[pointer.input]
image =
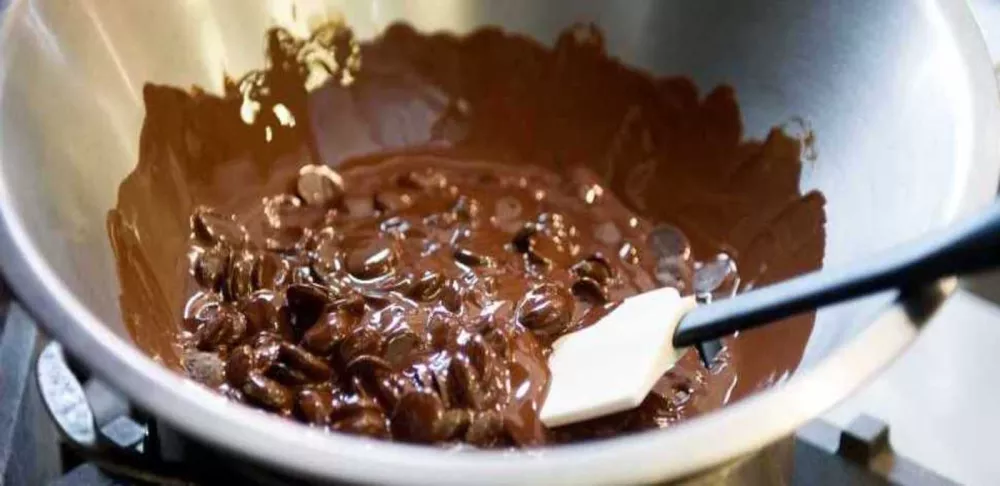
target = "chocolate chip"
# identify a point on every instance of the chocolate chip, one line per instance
(451, 296)
(315, 406)
(270, 271)
(629, 253)
(210, 269)
(225, 327)
(457, 236)
(368, 367)
(535, 263)
(595, 268)
(426, 286)
(266, 348)
(416, 417)
(258, 356)
(421, 375)
(210, 333)
(368, 422)
(523, 238)
(347, 403)
(376, 303)
(372, 259)
(351, 303)
(239, 365)
(306, 362)
(401, 346)
(287, 375)
(551, 221)
(588, 290)
(485, 429)
(453, 423)
(546, 310)
(286, 239)
(463, 384)
(302, 274)
(329, 330)
(361, 342)
(267, 393)
(392, 387)
(498, 340)
(239, 283)
(279, 210)
(261, 314)
(389, 201)
(667, 241)
(470, 257)
(201, 308)
(439, 325)
(235, 325)
(465, 208)
(319, 185)
(206, 368)
(395, 282)
(482, 358)
(396, 227)
(443, 387)
(212, 228)
(371, 374)
(306, 302)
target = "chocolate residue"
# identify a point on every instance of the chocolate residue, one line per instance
(485, 109)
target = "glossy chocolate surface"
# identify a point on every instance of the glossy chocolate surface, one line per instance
(384, 239)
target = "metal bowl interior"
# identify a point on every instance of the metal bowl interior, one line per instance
(900, 95)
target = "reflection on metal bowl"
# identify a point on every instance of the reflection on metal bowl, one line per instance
(900, 95)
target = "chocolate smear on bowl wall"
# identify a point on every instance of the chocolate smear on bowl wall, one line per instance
(359, 245)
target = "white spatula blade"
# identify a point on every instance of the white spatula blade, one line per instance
(612, 365)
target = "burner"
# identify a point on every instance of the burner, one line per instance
(29, 445)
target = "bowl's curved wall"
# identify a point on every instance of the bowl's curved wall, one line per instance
(899, 94)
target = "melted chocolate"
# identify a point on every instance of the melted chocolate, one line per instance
(490, 194)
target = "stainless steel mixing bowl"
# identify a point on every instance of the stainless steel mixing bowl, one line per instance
(900, 95)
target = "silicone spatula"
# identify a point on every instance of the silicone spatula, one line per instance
(612, 365)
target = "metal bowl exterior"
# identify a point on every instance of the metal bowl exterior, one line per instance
(900, 95)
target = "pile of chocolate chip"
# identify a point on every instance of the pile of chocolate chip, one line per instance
(413, 298)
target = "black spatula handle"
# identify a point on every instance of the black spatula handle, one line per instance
(968, 247)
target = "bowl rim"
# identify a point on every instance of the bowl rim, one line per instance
(706, 441)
